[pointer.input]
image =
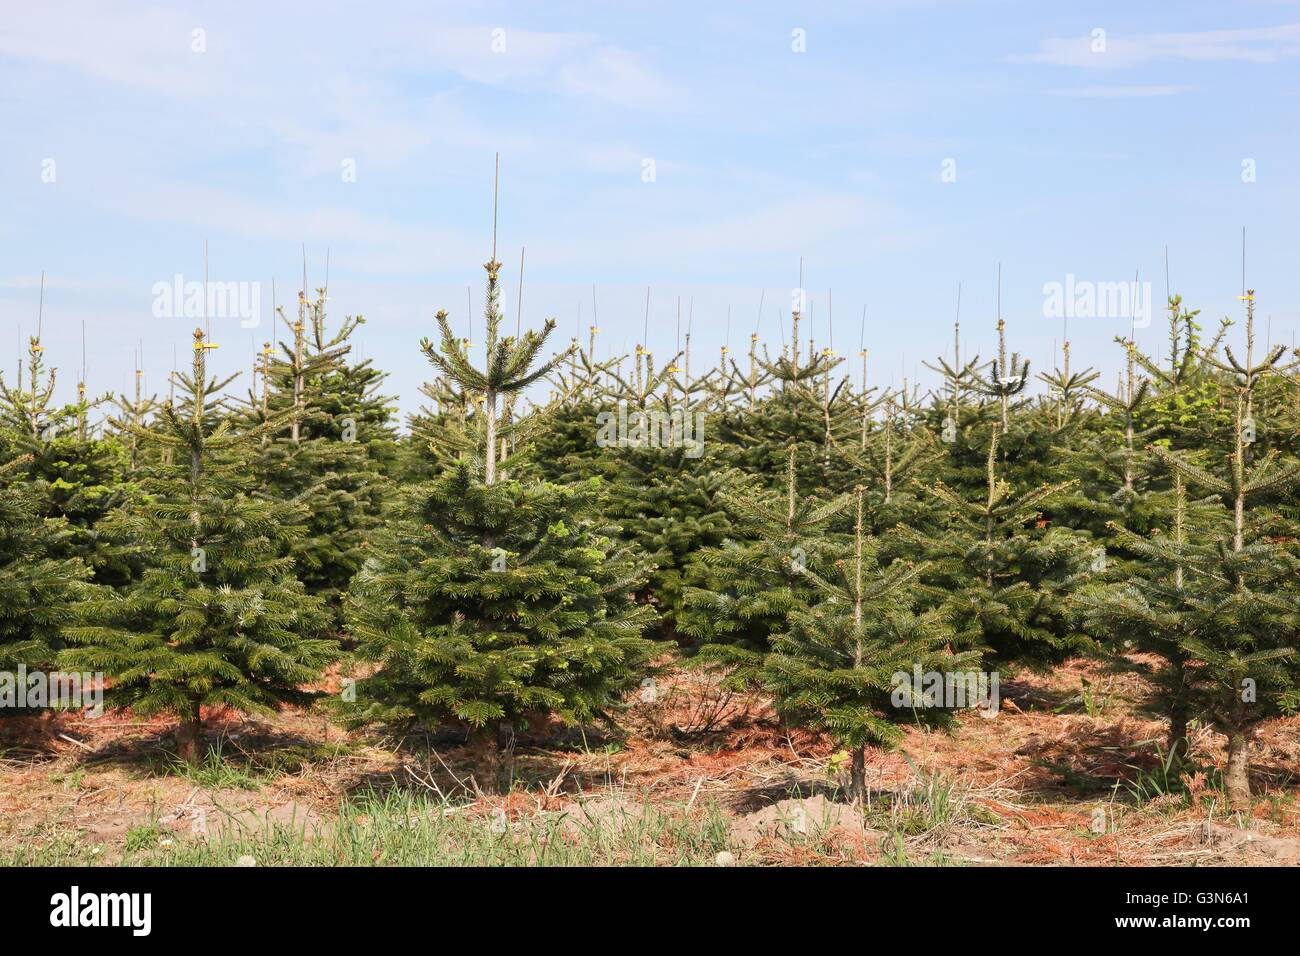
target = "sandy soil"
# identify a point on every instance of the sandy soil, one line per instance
(1057, 777)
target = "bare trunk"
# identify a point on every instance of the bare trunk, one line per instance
(487, 761)
(858, 776)
(189, 735)
(1237, 777)
(494, 758)
(1177, 740)
(506, 757)
(1178, 717)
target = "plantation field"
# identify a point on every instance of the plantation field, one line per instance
(1065, 774)
(574, 611)
(750, 617)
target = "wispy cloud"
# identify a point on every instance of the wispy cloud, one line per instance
(154, 50)
(1115, 50)
(1122, 92)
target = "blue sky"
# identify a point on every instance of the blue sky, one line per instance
(1068, 159)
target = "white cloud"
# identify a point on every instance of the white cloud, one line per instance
(1254, 45)
(150, 49)
(616, 76)
(1122, 92)
(147, 49)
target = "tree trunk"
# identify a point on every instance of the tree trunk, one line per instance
(486, 760)
(858, 775)
(188, 736)
(1176, 744)
(1237, 778)
(506, 757)
(494, 758)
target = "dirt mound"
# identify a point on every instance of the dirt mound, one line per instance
(1270, 850)
(813, 817)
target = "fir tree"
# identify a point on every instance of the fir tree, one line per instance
(834, 668)
(491, 600)
(1160, 606)
(321, 455)
(1247, 667)
(37, 590)
(801, 408)
(1005, 378)
(740, 594)
(75, 474)
(217, 618)
(663, 473)
(891, 455)
(1003, 585)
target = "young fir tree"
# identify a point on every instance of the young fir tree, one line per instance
(740, 594)
(217, 618)
(562, 450)
(652, 442)
(76, 475)
(1247, 665)
(325, 454)
(800, 407)
(979, 398)
(834, 668)
(1160, 606)
(890, 455)
(1005, 586)
(490, 600)
(37, 589)
(1005, 378)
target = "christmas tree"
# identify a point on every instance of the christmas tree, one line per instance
(75, 474)
(217, 618)
(1245, 664)
(1159, 607)
(648, 434)
(836, 668)
(327, 454)
(491, 600)
(741, 593)
(37, 590)
(1004, 585)
(801, 407)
